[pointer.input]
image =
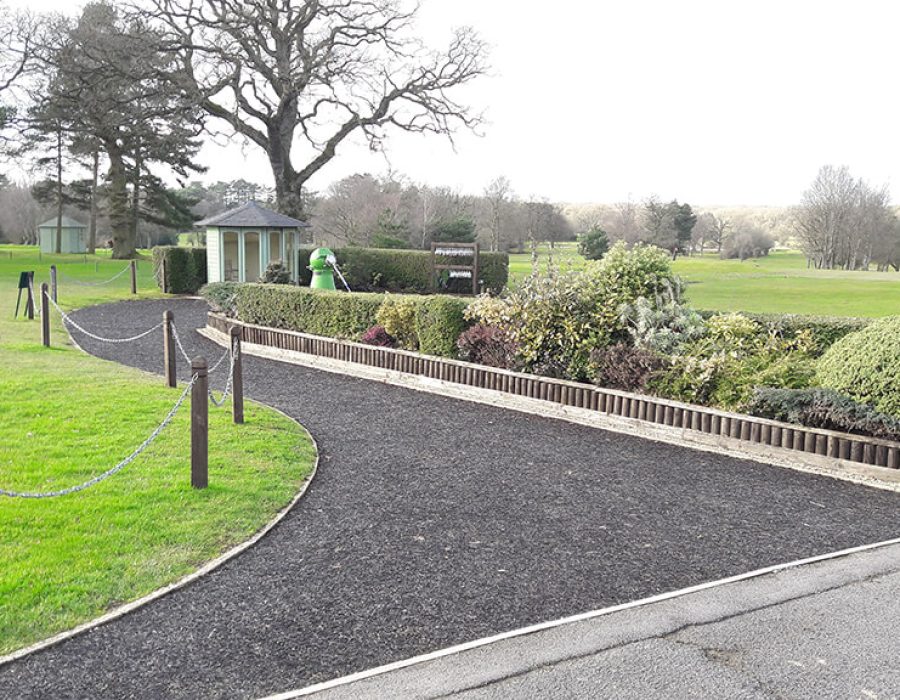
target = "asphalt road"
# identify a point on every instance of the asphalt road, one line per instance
(432, 522)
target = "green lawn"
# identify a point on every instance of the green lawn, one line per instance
(778, 283)
(65, 417)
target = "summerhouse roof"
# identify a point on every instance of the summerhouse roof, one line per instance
(67, 222)
(252, 215)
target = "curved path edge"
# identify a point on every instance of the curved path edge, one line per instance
(843, 470)
(207, 568)
(367, 683)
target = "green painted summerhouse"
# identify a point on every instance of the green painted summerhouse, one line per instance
(241, 242)
(74, 236)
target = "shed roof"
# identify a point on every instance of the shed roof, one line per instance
(67, 222)
(252, 215)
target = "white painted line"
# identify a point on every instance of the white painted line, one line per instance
(540, 627)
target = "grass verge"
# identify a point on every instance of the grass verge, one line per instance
(65, 417)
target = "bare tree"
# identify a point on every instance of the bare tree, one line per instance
(497, 194)
(278, 72)
(19, 30)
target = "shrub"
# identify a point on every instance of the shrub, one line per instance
(624, 367)
(557, 320)
(374, 269)
(822, 408)
(866, 366)
(276, 273)
(664, 324)
(379, 337)
(593, 244)
(221, 296)
(439, 323)
(398, 316)
(488, 345)
(185, 269)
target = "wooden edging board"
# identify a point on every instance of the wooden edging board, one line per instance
(637, 409)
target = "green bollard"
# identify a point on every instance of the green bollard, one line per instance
(323, 275)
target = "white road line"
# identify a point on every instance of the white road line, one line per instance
(450, 651)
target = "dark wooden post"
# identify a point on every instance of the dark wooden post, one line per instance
(29, 302)
(53, 283)
(45, 315)
(237, 380)
(133, 277)
(200, 425)
(169, 348)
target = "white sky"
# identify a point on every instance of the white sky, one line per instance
(712, 102)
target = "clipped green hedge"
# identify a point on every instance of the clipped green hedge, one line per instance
(825, 330)
(185, 268)
(866, 366)
(408, 271)
(438, 319)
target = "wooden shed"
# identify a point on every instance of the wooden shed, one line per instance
(241, 242)
(74, 236)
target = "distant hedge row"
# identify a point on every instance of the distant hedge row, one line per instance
(184, 268)
(436, 323)
(407, 271)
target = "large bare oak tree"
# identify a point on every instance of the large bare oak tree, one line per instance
(297, 78)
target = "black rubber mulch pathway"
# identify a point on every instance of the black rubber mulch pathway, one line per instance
(434, 522)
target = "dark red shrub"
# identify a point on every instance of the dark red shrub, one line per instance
(376, 335)
(624, 367)
(488, 345)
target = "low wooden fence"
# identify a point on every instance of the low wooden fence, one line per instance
(855, 448)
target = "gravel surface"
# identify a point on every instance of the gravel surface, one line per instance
(433, 522)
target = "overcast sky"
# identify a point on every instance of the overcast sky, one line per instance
(710, 102)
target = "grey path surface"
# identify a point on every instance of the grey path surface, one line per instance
(433, 522)
(826, 630)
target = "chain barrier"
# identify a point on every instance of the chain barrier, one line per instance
(81, 283)
(233, 352)
(187, 358)
(119, 467)
(68, 321)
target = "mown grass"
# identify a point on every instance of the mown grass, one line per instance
(778, 283)
(65, 417)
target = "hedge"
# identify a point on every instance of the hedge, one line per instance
(825, 330)
(185, 269)
(407, 271)
(866, 366)
(438, 319)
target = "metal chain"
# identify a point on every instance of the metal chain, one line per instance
(94, 284)
(187, 358)
(68, 320)
(120, 466)
(228, 383)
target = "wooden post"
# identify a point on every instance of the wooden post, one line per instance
(53, 283)
(29, 302)
(169, 348)
(475, 272)
(237, 381)
(162, 274)
(200, 425)
(45, 315)
(133, 277)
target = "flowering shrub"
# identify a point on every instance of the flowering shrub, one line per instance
(378, 336)
(488, 345)
(556, 321)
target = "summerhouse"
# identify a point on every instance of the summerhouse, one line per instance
(74, 236)
(241, 242)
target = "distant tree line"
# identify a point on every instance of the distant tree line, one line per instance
(843, 222)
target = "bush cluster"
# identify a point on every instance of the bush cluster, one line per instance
(378, 337)
(437, 321)
(866, 366)
(185, 268)
(406, 271)
(822, 408)
(488, 345)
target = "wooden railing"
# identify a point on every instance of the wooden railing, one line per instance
(650, 409)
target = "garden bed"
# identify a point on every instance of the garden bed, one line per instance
(638, 407)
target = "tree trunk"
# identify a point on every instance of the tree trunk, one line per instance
(288, 187)
(59, 194)
(123, 243)
(92, 226)
(136, 194)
